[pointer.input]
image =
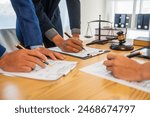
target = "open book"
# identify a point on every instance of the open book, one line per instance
(53, 71)
(84, 54)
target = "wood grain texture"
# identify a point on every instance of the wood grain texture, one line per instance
(76, 85)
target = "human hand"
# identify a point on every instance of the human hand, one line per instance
(22, 60)
(123, 67)
(51, 54)
(77, 36)
(69, 45)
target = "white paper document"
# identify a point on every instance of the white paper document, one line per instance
(98, 69)
(87, 53)
(53, 71)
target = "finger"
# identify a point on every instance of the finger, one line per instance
(59, 56)
(30, 64)
(25, 69)
(71, 49)
(37, 54)
(75, 46)
(109, 68)
(20, 69)
(78, 39)
(48, 53)
(77, 42)
(108, 63)
(111, 56)
(34, 60)
(76, 35)
(51, 55)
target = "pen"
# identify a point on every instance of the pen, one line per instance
(134, 54)
(21, 47)
(70, 37)
(67, 35)
(136, 50)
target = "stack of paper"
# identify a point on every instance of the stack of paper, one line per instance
(53, 71)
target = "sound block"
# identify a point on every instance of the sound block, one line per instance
(121, 47)
(101, 42)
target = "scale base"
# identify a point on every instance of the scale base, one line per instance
(101, 42)
(121, 47)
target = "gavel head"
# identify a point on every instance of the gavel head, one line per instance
(121, 37)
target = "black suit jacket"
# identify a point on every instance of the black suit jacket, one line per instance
(2, 50)
(45, 10)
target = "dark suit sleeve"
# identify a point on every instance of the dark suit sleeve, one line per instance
(74, 13)
(45, 22)
(28, 21)
(2, 50)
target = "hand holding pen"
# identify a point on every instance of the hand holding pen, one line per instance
(69, 36)
(88, 54)
(22, 60)
(21, 47)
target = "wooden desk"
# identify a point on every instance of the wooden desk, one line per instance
(76, 85)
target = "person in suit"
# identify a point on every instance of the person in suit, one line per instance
(51, 26)
(25, 60)
(127, 69)
(27, 28)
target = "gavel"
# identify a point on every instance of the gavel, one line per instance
(121, 37)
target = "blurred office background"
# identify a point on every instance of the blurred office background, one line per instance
(90, 10)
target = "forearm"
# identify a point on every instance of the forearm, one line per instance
(58, 40)
(51, 34)
(46, 25)
(145, 71)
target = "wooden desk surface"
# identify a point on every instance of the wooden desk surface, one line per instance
(76, 85)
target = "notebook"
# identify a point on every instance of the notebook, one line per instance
(84, 54)
(53, 71)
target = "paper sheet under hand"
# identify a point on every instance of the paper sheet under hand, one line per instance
(87, 53)
(53, 71)
(98, 69)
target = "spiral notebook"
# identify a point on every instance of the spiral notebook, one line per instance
(88, 52)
